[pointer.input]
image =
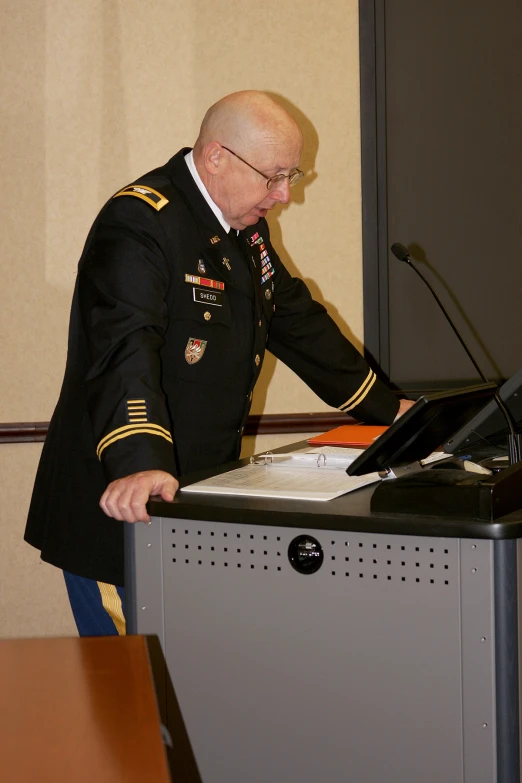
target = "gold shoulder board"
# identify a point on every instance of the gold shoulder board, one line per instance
(147, 194)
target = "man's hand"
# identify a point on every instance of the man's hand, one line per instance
(125, 498)
(404, 405)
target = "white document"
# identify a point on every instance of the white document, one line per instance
(315, 474)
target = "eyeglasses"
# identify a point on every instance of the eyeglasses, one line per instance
(272, 182)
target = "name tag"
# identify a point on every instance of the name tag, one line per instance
(204, 296)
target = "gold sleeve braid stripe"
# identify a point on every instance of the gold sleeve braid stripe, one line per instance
(132, 429)
(360, 394)
(136, 413)
(111, 602)
(151, 196)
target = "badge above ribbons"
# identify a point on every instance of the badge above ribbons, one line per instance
(194, 350)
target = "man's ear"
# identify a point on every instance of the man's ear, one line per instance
(212, 158)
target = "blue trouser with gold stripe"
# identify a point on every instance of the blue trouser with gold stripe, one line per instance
(98, 608)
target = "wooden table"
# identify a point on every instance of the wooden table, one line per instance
(79, 710)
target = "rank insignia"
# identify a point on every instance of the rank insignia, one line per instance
(214, 240)
(195, 350)
(151, 196)
(201, 267)
(205, 281)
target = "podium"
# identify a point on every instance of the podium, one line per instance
(396, 660)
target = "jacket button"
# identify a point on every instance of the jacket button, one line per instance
(260, 324)
(257, 360)
(207, 316)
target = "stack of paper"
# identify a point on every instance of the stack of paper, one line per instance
(313, 474)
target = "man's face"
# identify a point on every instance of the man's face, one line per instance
(243, 195)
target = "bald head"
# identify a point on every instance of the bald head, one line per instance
(245, 140)
(247, 118)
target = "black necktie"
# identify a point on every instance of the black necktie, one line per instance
(234, 238)
(238, 240)
(239, 243)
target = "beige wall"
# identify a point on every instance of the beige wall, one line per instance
(94, 94)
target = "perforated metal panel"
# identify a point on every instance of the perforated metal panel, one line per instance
(361, 671)
(211, 545)
(346, 555)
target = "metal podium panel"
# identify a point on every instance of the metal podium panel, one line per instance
(379, 666)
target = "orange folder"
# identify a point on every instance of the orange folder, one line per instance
(359, 435)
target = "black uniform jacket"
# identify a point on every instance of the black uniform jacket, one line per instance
(169, 323)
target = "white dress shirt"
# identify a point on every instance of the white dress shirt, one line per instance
(189, 160)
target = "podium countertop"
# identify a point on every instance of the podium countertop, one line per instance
(350, 512)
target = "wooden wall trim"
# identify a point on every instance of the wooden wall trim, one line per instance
(279, 423)
(23, 432)
(267, 424)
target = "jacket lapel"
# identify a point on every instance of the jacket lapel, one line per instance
(220, 253)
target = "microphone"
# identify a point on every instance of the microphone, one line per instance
(514, 438)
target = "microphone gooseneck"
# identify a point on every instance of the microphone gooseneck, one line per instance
(514, 437)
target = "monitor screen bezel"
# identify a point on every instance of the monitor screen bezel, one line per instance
(423, 428)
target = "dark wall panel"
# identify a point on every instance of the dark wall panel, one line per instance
(453, 141)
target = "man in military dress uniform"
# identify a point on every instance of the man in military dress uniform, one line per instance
(179, 292)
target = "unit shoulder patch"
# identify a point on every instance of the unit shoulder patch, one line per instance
(151, 196)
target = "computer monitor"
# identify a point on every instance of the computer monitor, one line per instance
(423, 428)
(488, 431)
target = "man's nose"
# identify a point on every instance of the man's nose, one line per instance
(282, 192)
